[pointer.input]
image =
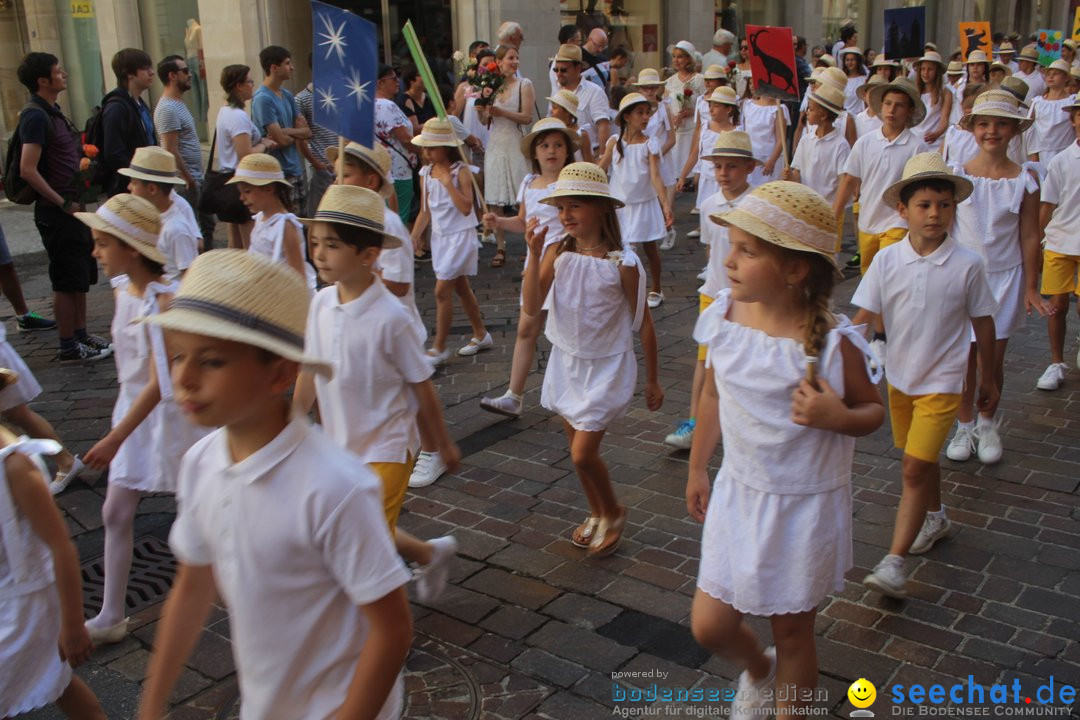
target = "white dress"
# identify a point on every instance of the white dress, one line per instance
(1051, 132)
(268, 238)
(659, 126)
(31, 672)
(706, 182)
(454, 245)
(988, 222)
(149, 458)
(26, 388)
(548, 216)
(959, 147)
(642, 219)
(759, 122)
(504, 165)
(592, 371)
(472, 123)
(777, 536)
(684, 131)
(931, 121)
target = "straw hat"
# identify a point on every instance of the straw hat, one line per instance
(377, 158)
(246, 298)
(905, 86)
(549, 124)
(131, 220)
(1059, 64)
(259, 169)
(732, 144)
(628, 101)
(849, 51)
(568, 53)
(1029, 52)
(582, 179)
(834, 77)
(882, 61)
(724, 95)
(976, 56)
(997, 103)
(929, 46)
(926, 166)
(568, 100)
(828, 60)
(1018, 88)
(1006, 48)
(1069, 43)
(436, 133)
(355, 206)
(829, 97)
(713, 72)
(155, 164)
(1074, 72)
(931, 56)
(648, 77)
(814, 74)
(787, 214)
(955, 68)
(1075, 105)
(873, 80)
(998, 65)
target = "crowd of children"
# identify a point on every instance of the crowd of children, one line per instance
(967, 195)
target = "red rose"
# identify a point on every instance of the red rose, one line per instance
(687, 92)
(731, 64)
(492, 67)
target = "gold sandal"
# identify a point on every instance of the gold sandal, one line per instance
(602, 544)
(583, 534)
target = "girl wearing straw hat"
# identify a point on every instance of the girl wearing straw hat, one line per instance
(759, 120)
(777, 535)
(976, 68)
(149, 435)
(929, 79)
(594, 290)
(662, 127)
(851, 62)
(277, 233)
(564, 107)
(1051, 132)
(634, 161)
(959, 146)
(723, 117)
(999, 221)
(1030, 72)
(549, 147)
(446, 202)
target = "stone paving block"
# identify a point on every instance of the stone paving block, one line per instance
(563, 705)
(513, 622)
(512, 588)
(580, 646)
(548, 667)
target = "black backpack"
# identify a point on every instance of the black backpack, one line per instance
(16, 188)
(95, 135)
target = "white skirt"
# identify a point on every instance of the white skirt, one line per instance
(1007, 287)
(31, 672)
(758, 176)
(706, 187)
(642, 221)
(668, 175)
(26, 388)
(770, 554)
(149, 459)
(589, 393)
(454, 254)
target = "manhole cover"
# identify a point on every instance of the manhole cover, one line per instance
(152, 571)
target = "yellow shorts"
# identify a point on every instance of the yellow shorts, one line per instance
(704, 301)
(395, 481)
(870, 243)
(921, 423)
(1059, 273)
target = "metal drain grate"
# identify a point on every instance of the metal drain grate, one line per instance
(152, 571)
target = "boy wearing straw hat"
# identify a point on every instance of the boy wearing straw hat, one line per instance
(821, 155)
(1059, 217)
(274, 517)
(1030, 72)
(153, 178)
(931, 292)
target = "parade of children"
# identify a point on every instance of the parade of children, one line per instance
(833, 442)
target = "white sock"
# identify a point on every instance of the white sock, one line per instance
(966, 425)
(936, 513)
(984, 421)
(513, 395)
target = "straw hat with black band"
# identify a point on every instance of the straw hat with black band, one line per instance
(732, 144)
(357, 207)
(828, 97)
(377, 158)
(153, 164)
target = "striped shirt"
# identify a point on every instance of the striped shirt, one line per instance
(321, 138)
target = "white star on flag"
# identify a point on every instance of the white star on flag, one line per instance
(327, 100)
(357, 88)
(334, 38)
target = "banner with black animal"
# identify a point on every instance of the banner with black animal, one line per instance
(905, 32)
(975, 35)
(772, 61)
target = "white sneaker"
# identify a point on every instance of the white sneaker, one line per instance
(695, 211)
(877, 347)
(962, 444)
(749, 701)
(669, 239)
(989, 442)
(431, 578)
(683, 436)
(1053, 376)
(694, 234)
(934, 528)
(655, 299)
(429, 467)
(62, 480)
(888, 577)
(506, 404)
(475, 345)
(437, 358)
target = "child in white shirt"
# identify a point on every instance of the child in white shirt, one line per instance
(153, 176)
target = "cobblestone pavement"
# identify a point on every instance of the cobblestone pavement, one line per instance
(531, 629)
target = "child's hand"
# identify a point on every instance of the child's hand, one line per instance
(816, 408)
(988, 396)
(697, 494)
(490, 221)
(75, 646)
(768, 167)
(786, 174)
(654, 395)
(102, 453)
(451, 456)
(680, 184)
(533, 238)
(1034, 301)
(669, 219)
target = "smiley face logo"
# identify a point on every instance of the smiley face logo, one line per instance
(862, 693)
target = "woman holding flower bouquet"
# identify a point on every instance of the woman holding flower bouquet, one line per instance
(682, 91)
(505, 105)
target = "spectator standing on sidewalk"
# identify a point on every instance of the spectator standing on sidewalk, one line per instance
(175, 128)
(12, 290)
(49, 161)
(314, 150)
(126, 121)
(275, 113)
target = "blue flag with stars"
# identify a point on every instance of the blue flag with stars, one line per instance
(344, 66)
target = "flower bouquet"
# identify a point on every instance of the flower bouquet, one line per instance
(485, 81)
(87, 191)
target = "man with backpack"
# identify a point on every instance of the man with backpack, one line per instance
(48, 162)
(126, 122)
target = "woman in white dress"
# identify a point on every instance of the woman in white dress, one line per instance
(682, 102)
(930, 75)
(508, 116)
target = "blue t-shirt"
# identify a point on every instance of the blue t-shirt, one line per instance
(268, 108)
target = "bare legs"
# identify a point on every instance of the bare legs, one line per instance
(444, 309)
(922, 492)
(38, 427)
(652, 255)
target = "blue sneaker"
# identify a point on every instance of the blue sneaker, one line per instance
(682, 437)
(32, 321)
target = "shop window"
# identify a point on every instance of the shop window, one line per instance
(171, 27)
(637, 25)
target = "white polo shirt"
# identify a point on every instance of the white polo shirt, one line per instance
(368, 406)
(877, 163)
(399, 265)
(927, 304)
(298, 542)
(820, 160)
(715, 236)
(1061, 187)
(593, 106)
(178, 239)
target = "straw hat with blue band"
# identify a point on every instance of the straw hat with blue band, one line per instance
(155, 164)
(354, 206)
